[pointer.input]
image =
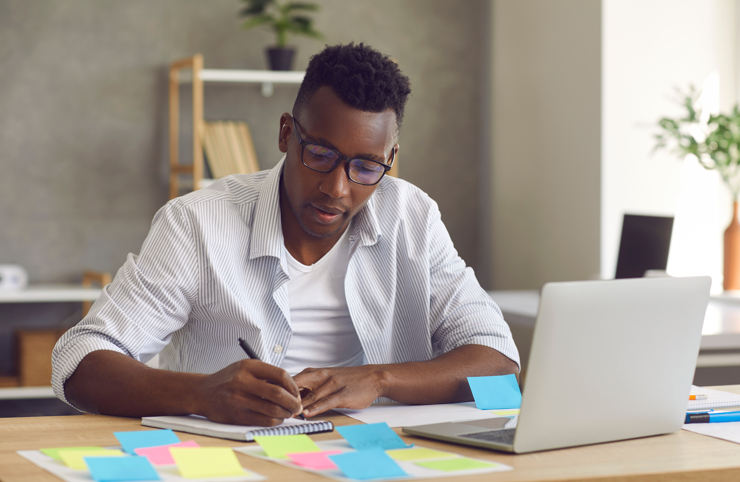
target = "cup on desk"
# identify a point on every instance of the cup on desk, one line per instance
(13, 277)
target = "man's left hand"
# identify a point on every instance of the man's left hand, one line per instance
(345, 387)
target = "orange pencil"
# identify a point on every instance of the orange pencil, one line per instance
(701, 396)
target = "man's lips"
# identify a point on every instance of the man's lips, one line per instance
(326, 214)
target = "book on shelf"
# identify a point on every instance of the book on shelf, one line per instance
(229, 148)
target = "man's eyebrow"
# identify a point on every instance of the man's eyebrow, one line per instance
(326, 143)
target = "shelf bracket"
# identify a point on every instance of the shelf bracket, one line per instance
(267, 89)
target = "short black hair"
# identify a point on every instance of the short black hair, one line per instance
(361, 77)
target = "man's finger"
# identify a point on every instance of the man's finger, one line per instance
(272, 393)
(334, 400)
(310, 380)
(272, 374)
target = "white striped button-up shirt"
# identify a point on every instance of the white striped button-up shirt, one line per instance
(213, 269)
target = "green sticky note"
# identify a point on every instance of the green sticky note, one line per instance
(505, 413)
(75, 459)
(418, 453)
(206, 462)
(279, 446)
(455, 465)
(54, 453)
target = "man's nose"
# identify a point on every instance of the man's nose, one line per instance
(336, 183)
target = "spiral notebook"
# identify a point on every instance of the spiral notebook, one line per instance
(243, 433)
(715, 399)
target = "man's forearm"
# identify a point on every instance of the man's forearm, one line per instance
(443, 379)
(111, 383)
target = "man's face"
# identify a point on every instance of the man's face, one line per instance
(324, 203)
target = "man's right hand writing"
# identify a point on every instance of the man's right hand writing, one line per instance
(249, 392)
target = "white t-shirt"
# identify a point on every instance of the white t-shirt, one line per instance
(323, 333)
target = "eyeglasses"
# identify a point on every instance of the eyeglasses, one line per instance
(322, 159)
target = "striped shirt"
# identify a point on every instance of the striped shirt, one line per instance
(213, 268)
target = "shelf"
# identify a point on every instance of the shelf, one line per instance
(265, 77)
(50, 294)
(25, 393)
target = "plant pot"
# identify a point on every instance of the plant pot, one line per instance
(732, 253)
(280, 58)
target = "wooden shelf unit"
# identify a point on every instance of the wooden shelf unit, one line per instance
(190, 70)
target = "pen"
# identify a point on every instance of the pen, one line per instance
(715, 417)
(251, 354)
(701, 396)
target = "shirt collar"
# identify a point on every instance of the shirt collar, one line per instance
(267, 231)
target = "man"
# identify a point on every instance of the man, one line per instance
(320, 262)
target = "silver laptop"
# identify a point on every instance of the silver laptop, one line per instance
(610, 360)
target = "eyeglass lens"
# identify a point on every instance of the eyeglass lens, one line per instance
(322, 159)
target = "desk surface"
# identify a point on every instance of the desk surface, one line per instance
(681, 456)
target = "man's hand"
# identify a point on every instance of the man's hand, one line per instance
(345, 387)
(249, 392)
(440, 380)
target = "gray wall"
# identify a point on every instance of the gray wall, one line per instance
(545, 142)
(83, 121)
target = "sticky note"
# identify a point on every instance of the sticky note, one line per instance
(493, 393)
(145, 438)
(54, 452)
(115, 469)
(161, 455)
(279, 446)
(506, 413)
(455, 465)
(367, 464)
(372, 435)
(75, 459)
(206, 462)
(418, 453)
(315, 460)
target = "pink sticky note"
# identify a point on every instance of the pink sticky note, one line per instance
(315, 460)
(161, 455)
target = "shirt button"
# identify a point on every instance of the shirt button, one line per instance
(278, 349)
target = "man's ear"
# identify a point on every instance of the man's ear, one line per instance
(286, 129)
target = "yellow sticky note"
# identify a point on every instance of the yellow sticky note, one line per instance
(54, 452)
(418, 453)
(75, 459)
(508, 412)
(206, 462)
(279, 446)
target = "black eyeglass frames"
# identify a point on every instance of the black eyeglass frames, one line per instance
(322, 159)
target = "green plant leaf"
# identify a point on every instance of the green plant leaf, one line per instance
(302, 6)
(259, 20)
(254, 7)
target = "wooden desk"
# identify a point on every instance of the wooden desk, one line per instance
(683, 456)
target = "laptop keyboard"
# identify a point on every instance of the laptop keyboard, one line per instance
(505, 436)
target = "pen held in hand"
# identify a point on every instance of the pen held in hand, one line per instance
(251, 354)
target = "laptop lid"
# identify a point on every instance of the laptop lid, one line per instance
(611, 360)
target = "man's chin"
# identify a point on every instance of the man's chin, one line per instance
(322, 231)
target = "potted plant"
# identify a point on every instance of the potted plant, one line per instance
(715, 141)
(283, 18)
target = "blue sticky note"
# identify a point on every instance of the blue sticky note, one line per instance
(495, 393)
(145, 438)
(367, 465)
(370, 436)
(116, 469)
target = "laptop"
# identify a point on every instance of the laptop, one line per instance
(644, 245)
(610, 360)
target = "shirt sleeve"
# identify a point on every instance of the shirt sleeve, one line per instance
(462, 313)
(149, 299)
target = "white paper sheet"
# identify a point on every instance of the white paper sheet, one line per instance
(729, 431)
(168, 473)
(414, 471)
(716, 399)
(399, 415)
